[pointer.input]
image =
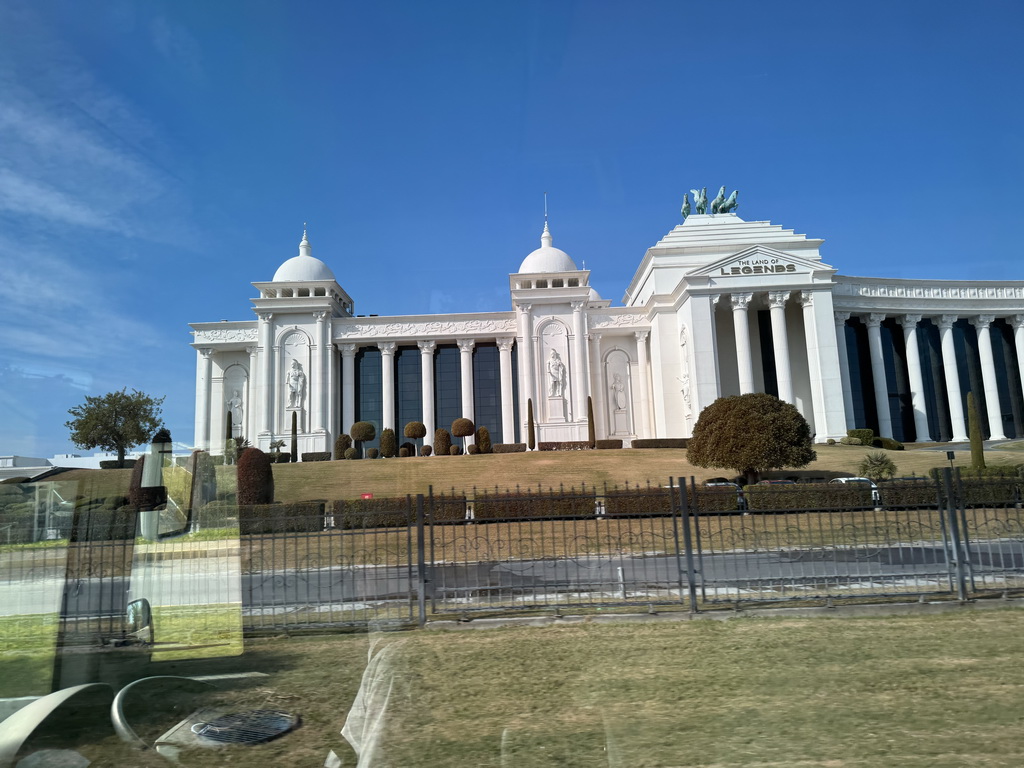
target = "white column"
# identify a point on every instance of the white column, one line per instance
(348, 386)
(466, 376)
(250, 395)
(387, 375)
(642, 383)
(956, 405)
(597, 386)
(988, 375)
(427, 387)
(741, 328)
(580, 363)
(320, 376)
(780, 344)
(1018, 343)
(508, 426)
(205, 361)
(874, 323)
(844, 364)
(917, 395)
(814, 372)
(266, 372)
(526, 361)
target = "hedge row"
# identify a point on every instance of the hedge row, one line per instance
(808, 496)
(307, 516)
(113, 464)
(317, 456)
(372, 513)
(518, 505)
(508, 448)
(662, 442)
(603, 445)
(565, 445)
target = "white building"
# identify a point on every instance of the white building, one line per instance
(719, 306)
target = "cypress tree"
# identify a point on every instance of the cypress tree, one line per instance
(531, 433)
(295, 437)
(591, 430)
(974, 432)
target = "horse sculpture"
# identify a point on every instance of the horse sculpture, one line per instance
(717, 202)
(731, 204)
(700, 200)
(686, 206)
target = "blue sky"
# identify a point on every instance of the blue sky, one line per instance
(158, 157)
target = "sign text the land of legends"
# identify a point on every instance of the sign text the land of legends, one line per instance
(757, 266)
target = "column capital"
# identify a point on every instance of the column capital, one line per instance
(594, 337)
(251, 350)
(577, 306)
(387, 347)
(524, 309)
(505, 343)
(741, 300)
(321, 316)
(641, 336)
(946, 321)
(806, 299)
(715, 298)
(778, 298)
(206, 352)
(910, 321)
(1017, 321)
(426, 347)
(348, 350)
(266, 317)
(466, 345)
(874, 319)
(983, 321)
(842, 317)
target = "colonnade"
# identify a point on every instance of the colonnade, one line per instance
(915, 376)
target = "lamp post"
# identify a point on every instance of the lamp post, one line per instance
(160, 447)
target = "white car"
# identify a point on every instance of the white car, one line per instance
(876, 497)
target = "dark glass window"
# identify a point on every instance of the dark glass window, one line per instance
(447, 386)
(408, 389)
(369, 399)
(487, 389)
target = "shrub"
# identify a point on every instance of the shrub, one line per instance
(372, 513)
(591, 429)
(351, 454)
(426, 450)
(415, 430)
(410, 449)
(638, 501)
(531, 428)
(849, 441)
(255, 478)
(473, 449)
(830, 441)
(455, 450)
(565, 445)
(442, 441)
(295, 437)
(403, 452)
(809, 496)
(317, 456)
(508, 448)
(909, 494)
(280, 458)
(388, 443)
(662, 442)
(362, 431)
(464, 428)
(974, 433)
(342, 444)
(877, 466)
(483, 440)
(305, 516)
(604, 445)
(866, 436)
(373, 453)
(538, 504)
(114, 464)
(887, 443)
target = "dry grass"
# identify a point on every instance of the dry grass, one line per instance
(922, 690)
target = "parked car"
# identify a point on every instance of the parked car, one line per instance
(876, 497)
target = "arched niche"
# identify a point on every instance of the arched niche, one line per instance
(237, 398)
(555, 371)
(618, 380)
(294, 377)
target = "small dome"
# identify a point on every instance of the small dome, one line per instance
(547, 258)
(304, 267)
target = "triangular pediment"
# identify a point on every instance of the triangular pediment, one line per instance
(759, 260)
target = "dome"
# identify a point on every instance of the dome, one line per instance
(304, 267)
(547, 258)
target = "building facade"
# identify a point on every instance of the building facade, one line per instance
(719, 306)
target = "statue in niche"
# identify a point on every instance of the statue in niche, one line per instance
(234, 404)
(618, 392)
(296, 382)
(556, 375)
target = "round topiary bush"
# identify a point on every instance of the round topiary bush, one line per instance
(473, 449)
(342, 444)
(426, 450)
(454, 450)
(415, 430)
(373, 453)
(403, 453)
(255, 478)
(351, 453)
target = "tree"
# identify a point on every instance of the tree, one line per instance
(591, 427)
(415, 430)
(974, 433)
(295, 437)
(877, 466)
(442, 441)
(463, 427)
(116, 421)
(362, 432)
(483, 439)
(531, 433)
(388, 443)
(751, 433)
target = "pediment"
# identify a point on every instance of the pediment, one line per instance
(759, 260)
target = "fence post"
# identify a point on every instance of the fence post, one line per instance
(421, 564)
(684, 517)
(954, 550)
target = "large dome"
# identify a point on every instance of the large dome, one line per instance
(547, 258)
(303, 268)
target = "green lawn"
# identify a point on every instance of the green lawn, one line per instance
(920, 690)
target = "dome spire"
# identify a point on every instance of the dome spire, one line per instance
(545, 238)
(305, 249)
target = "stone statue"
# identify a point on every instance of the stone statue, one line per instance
(618, 393)
(700, 200)
(716, 204)
(556, 374)
(234, 404)
(296, 382)
(731, 204)
(686, 206)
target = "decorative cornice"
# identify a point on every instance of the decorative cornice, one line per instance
(225, 334)
(413, 330)
(597, 322)
(915, 290)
